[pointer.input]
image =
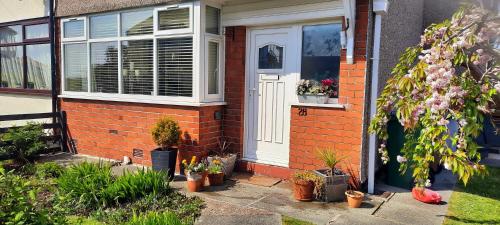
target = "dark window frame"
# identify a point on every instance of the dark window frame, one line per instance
(25, 42)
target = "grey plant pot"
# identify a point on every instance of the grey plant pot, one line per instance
(334, 187)
(227, 163)
(164, 160)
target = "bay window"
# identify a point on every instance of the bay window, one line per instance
(145, 55)
(25, 56)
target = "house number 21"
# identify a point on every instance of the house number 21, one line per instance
(302, 111)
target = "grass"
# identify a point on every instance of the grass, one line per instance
(80, 220)
(476, 203)
(292, 221)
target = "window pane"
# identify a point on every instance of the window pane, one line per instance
(11, 67)
(135, 23)
(137, 68)
(173, 19)
(212, 18)
(103, 26)
(37, 31)
(11, 34)
(175, 67)
(38, 64)
(75, 67)
(104, 67)
(213, 68)
(74, 28)
(321, 52)
(271, 57)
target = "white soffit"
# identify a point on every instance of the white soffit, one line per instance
(261, 13)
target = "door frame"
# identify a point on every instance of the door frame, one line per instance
(248, 46)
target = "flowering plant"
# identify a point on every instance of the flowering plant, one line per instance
(215, 167)
(194, 166)
(453, 74)
(325, 87)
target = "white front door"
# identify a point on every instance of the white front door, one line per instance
(271, 79)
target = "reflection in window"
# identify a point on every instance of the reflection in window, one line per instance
(137, 69)
(11, 34)
(75, 67)
(321, 52)
(103, 26)
(271, 57)
(73, 28)
(212, 20)
(104, 67)
(11, 67)
(213, 68)
(38, 64)
(137, 23)
(173, 19)
(37, 31)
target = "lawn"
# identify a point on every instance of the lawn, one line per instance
(476, 203)
(292, 221)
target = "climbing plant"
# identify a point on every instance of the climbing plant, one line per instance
(452, 75)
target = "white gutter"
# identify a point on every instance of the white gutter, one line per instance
(379, 8)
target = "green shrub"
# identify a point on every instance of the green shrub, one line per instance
(82, 186)
(154, 218)
(132, 186)
(23, 143)
(18, 202)
(48, 170)
(166, 132)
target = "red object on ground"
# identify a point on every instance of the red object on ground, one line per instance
(426, 196)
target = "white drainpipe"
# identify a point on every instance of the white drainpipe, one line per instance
(379, 8)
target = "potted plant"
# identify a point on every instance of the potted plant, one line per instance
(304, 185)
(166, 134)
(194, 173)
(311, 91)
(354, 196)
(215, 173)
(335, 181)
(223, 155)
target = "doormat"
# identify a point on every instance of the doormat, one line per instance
(255, 179)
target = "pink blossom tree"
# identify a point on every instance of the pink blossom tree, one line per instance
(453, 74)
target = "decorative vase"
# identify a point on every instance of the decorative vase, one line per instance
(354, 198)
(216, 179)
(315, 99)
(303, 190)
(227, 163)
(193, 182)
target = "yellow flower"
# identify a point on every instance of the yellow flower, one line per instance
(193, 160)
(184, 162)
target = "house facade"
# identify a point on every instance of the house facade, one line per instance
(25, 58)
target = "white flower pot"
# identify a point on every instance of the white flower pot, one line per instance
(227, 164)
(315, 99)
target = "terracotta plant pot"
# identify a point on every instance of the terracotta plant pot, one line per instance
(216, 179)
(354, 198)
(303, 190)
(193, 182)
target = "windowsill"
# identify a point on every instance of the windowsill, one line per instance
(142, 100)
(326, 105)
(20, 91)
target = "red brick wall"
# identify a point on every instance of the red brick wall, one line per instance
(113, 129)
(338, 129)
(235, 87)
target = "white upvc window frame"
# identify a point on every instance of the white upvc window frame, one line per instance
(195, 31)
(220, 83)
(82, 38)
(156, 21)
(220, 39)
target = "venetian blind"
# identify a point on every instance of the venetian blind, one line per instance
(213, 68)
(137, 69)
(175, 66)
(104, 67)
(103, 26)
(75, 67)
(137, 23)
(173, 19)
(212, 20)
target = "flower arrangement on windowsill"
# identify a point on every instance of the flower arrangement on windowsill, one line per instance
(311, 91)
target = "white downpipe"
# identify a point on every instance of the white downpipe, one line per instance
(373, 104)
